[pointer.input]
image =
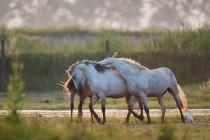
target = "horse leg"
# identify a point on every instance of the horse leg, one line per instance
(178, 102)
(133, 100)
(81, 101)
(91, 115)
(71, 106)
(141, 108)
(103, 106)
(162, 105)
(129, 113)
(93, 101)
(146, 108)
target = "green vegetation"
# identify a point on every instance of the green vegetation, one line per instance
(185, 52)
(61, 128)
(197, 97)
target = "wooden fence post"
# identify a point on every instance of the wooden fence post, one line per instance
(107, 48)
(3, 66)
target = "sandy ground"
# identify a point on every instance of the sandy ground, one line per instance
(109, 112)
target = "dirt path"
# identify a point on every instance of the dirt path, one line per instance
(109, 112)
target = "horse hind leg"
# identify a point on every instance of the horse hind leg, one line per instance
(174, 92)
(163, 109)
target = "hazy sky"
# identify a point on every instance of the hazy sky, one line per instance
(123, 14)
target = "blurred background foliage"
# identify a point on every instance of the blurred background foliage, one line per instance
(47, 54)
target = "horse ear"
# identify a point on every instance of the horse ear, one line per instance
(115, 54)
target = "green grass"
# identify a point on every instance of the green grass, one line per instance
(61, 128)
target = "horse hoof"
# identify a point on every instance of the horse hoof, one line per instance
(141, 117)
(103, 122)
(99, 120)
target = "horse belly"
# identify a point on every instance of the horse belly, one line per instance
(117, 87)
(117, 92)
(157, 89)
(155, 93)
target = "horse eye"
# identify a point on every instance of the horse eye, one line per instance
(73, 77)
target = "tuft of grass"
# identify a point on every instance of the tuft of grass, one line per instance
(15, 86)
(167, 132)
(61, 128)
(205, 87)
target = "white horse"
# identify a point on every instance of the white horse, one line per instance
(143, 82)
(103, 83)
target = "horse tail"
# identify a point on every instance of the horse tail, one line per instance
(182, 97)
(65, 86)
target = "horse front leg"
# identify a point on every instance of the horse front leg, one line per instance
(141, 108)
(91, 115)
(81, 101)
(129, 113)
(133, 100)
(71, 106)
(127, 118)
(146, 108)
(93, 101)
(103, 108)
(163, 109)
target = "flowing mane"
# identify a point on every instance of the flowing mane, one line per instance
(132, 62)
(87, 62)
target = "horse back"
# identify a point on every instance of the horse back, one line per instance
(153, 82)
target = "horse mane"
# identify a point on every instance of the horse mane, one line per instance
(132, 62)
(99, 69)
(69, 84)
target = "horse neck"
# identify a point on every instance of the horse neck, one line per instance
(90, 73)
(122, 69)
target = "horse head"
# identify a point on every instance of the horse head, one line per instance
(107, 62)
(76, 71)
